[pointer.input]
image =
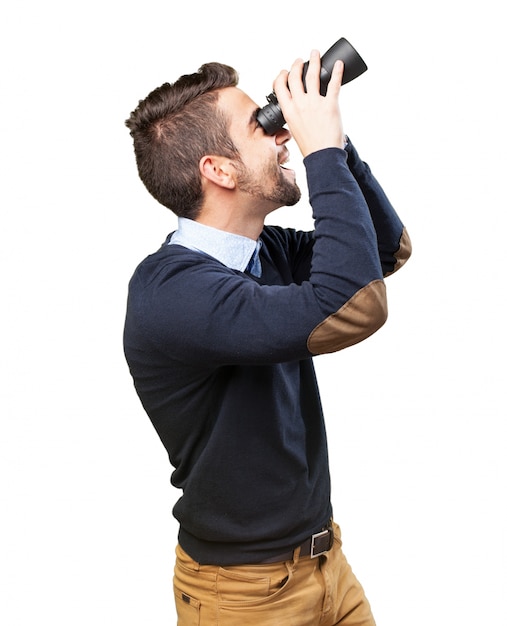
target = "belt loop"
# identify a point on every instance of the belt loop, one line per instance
(295, 557)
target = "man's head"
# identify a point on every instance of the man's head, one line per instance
(201, 114)
(173, 128)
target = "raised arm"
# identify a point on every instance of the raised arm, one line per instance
(394, 244)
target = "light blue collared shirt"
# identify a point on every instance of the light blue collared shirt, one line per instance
(234, 251)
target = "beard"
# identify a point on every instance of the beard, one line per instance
(270, 184)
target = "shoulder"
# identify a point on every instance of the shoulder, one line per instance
(170, 260)
(176, 274)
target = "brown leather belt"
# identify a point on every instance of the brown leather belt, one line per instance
(314, 546)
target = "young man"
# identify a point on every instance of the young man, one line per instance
(221, 327)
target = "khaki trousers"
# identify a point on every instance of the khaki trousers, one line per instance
(302, 592)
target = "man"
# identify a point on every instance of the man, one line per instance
(221, 327)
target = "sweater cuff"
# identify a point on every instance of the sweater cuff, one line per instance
(319, 163)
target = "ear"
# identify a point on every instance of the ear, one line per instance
(218, 170)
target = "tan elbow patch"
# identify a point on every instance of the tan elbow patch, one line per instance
(403, 253)
(356, 320)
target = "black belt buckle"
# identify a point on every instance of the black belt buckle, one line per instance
(322, 542)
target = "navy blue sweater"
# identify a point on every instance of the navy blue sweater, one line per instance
(222, 362)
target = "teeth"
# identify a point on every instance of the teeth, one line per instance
(285, 159)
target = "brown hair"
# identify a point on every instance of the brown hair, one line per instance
(173, 128)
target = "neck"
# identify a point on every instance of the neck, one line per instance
(249, 229)
(237, 217)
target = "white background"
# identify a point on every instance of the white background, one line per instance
(415, 414)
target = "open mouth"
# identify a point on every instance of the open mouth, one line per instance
(286, 172)
(284, 160)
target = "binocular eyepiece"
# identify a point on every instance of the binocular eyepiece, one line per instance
(271, 118)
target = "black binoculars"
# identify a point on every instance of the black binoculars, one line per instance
(271, 118)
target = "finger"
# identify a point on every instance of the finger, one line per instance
(295, 81)
(280, 85)
(335, 82)
(312, 78)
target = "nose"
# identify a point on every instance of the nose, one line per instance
(282, 136)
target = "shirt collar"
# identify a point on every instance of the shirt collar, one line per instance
(234, 251)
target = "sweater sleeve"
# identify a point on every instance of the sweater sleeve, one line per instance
(394, 244)
(195, 310)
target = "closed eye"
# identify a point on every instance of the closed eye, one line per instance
(254, 121)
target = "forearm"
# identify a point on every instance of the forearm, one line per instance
(344, 235)
(394, 246)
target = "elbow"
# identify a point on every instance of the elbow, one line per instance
(357, 319)
(403, 253)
